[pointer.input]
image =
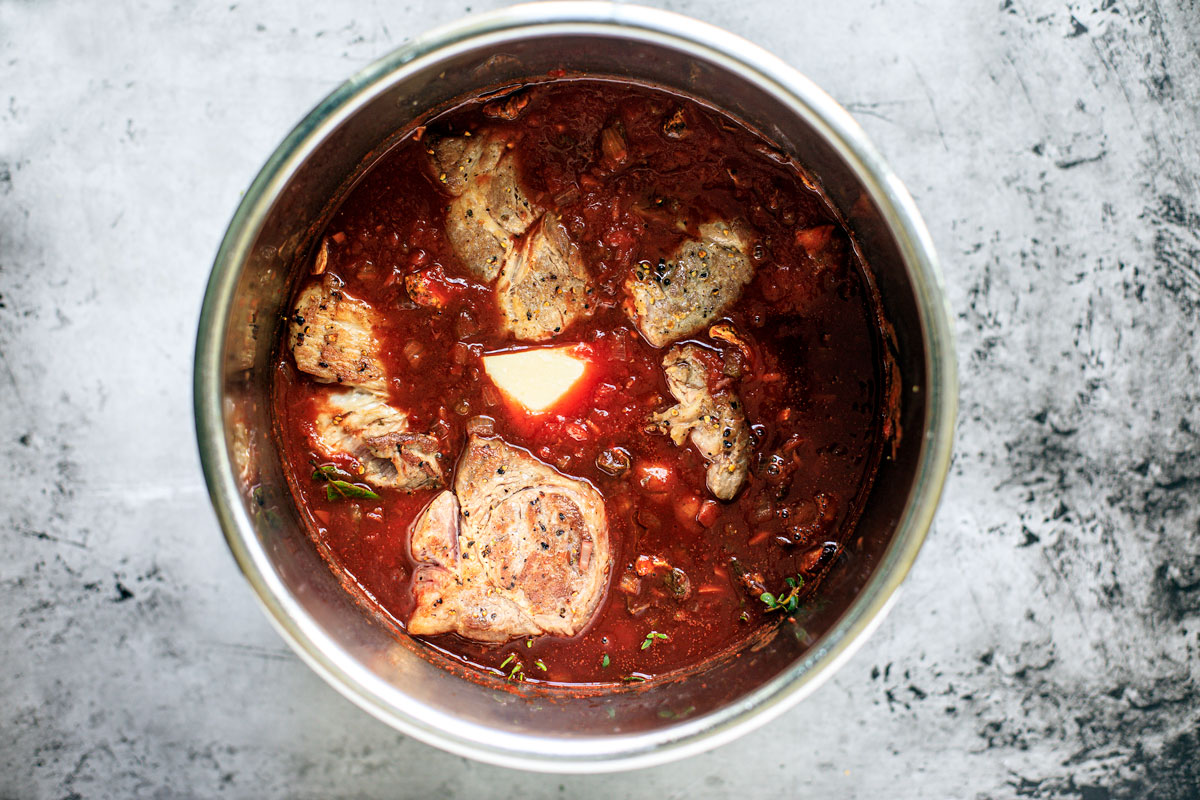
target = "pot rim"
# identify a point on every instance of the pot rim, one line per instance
(862, 616)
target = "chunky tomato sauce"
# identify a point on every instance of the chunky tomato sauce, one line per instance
(686, 565)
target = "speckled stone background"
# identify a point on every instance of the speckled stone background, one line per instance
(1047, 644)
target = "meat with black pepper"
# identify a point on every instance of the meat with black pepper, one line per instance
(686, 291)
(544, 286)
(360, 424)
(518, 549)
(715, 421)
(332, 337)
(489, 208)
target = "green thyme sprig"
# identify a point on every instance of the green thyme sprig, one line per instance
(785, 602)
(517, 673)
(650, 637)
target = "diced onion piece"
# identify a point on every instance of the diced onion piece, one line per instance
(537, 379)
(481, 426)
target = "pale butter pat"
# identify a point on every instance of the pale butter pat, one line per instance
(537, 379)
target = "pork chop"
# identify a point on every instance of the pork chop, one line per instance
(489, 207)
(543, 287)
(715, 421)
(478, 240)
(518, 549)
(332, 337)
(360, 424)
(457, 158)
(685, 292)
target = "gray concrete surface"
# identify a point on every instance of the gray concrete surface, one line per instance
(1046, 644)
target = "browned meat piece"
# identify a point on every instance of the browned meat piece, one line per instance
(518, 550)
(361, 425)
(506, 200)
(489, 206)
(333, 340)
(544, 285)
(715, 422)
(507, 108)
(682, 294)
(456, 159)
(434, 539)
(332, 337)
(478, 240)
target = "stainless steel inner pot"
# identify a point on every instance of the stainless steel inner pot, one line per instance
(272, 230)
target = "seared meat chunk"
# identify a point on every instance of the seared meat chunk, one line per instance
(682, 294)
(519, 549)
(332, 337)
(489, 206)
(478, 240)
(361, 425)
(507, 202)
(434, 540)
(714, 420)
(544, 285)
(457, 158)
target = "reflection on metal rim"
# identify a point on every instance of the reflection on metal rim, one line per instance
(530, 751)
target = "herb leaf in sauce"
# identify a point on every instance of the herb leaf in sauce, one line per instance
(344, 490)
(650, 637)
(323, 472)
(785, 602)
(336, 488)
(517, 673)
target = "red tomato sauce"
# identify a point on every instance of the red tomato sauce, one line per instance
(685, 565)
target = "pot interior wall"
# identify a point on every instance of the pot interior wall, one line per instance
(398, 671)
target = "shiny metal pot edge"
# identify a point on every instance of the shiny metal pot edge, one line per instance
(866, 611)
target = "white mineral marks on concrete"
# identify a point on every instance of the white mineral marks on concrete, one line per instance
(1046, 643)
